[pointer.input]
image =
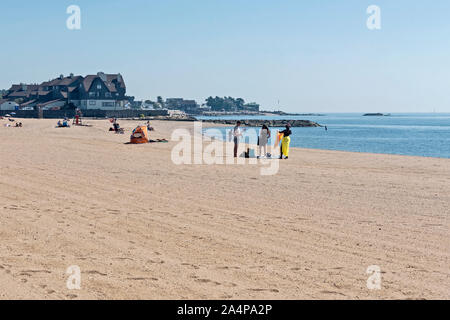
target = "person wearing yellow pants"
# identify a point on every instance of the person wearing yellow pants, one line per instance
(285, 142)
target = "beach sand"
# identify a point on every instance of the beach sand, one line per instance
(141, 227)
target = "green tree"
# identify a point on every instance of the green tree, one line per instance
(160, 100)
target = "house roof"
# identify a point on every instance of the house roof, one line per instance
(15, 87)
(40, 93)
(19, 94)
(49, 102)
(111, 81)
(28, 103)
(66, 81)
(19, 87)
(87, 82)
(2, 101)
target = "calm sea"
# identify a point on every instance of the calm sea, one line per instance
(425, 135)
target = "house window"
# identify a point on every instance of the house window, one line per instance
(92, 102)
(91, 94)
(108, 104)
(108, 94)
(99, 87)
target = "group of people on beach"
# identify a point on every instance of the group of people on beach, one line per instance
(17, 125)
(263, 139)
(63, 124)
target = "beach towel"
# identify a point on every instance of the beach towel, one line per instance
(278, 139)
(159, 141)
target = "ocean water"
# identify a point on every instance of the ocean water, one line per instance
(426, 135)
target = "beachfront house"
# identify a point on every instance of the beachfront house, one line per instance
(99, 92)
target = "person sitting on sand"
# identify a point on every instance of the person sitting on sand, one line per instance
(284, 149)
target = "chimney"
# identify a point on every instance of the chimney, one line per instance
(102, 76)
(71, 75)
(61, 76)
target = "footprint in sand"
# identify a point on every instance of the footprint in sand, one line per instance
(143, 279)
(208, 281)
(332, 292)
(96, 272)
(265, 290)
(191, 265)
(35, 271)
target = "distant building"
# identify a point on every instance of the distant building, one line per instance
(8, 105)
(251, 107)
(187, 106)
(101, 91)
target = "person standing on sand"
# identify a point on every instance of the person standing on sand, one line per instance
(263, 139)
(284, 149)
(236, 135)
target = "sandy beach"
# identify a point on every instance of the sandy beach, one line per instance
(141, 227)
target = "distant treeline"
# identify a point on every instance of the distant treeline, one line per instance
(226, 104)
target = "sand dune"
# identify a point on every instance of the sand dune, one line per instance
(141, 227)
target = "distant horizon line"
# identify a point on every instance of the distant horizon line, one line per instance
(363, 112)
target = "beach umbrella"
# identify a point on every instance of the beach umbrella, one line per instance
(7, 115)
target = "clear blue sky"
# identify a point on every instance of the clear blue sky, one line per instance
(313, 56)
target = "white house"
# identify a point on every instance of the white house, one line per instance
(8, 105)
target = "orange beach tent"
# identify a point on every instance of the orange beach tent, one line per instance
(139, 135)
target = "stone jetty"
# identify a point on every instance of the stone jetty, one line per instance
(269, 123)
